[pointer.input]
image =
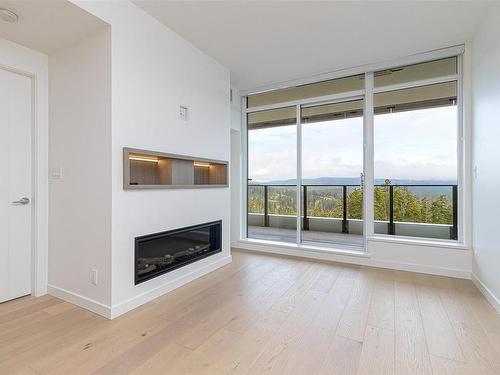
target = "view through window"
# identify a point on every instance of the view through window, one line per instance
(272, 173)
(415, 156)
(332, 166)
(415, 159)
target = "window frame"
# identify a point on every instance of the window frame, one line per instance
(463, 146)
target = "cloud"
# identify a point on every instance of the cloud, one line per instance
(417, 145)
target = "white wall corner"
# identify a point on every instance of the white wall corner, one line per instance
(485, 94)
(235, 109)
(467, 155)
(81, 120)
(488, 294)
(79, 300)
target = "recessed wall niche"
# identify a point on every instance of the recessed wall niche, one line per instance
(143, 169)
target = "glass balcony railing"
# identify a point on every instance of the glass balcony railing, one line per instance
(428, 211)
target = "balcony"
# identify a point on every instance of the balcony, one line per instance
(333, 213)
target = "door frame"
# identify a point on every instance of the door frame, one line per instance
(34, 65)
(339, 98)
(367, 152)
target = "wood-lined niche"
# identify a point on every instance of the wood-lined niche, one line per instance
(149, 169)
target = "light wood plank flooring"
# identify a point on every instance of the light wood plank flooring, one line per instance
(266, 315)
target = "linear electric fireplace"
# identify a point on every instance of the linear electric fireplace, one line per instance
(159, 253)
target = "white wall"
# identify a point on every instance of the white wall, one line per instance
(235, 184)
(235, 109)
(423, 257)
(35, 65)
(154, 71)
(236, 198)
(486, 154)
(80, 144)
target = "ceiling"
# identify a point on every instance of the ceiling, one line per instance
(48, 26)
(269, 42)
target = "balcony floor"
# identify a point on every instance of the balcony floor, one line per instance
(347, 240)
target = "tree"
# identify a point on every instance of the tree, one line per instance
(381, 202)
(326, 201)
(406, 205)
(256, 199)
(425, 210)
(442, 210)
(355, 204)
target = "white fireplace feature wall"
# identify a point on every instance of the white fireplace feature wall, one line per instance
(153, 71)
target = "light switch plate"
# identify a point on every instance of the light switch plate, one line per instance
(93, 276)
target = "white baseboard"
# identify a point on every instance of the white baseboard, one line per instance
(119, 309)
(343, 256)
(76, 299)
(488, 294)
(141, 299)
(292, 250)
(420, 268)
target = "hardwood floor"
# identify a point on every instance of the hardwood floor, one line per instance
(266, 315)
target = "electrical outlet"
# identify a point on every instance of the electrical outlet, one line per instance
(183, 113)
(93, 276)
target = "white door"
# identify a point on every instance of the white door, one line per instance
(15, 185)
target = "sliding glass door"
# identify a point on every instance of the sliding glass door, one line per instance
(272, 175)
(332, 173)
(306, 174)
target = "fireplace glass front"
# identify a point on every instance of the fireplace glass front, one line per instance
(158, 253)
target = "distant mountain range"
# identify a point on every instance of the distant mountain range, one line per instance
(430, 191)
(353, 181)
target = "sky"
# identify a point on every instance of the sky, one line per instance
(415, 145)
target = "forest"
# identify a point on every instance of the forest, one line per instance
(411, 204)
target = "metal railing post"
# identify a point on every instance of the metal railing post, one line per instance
(305, 223)
(454, 228)
(345, 223)
(266, 210)
(392, 227)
